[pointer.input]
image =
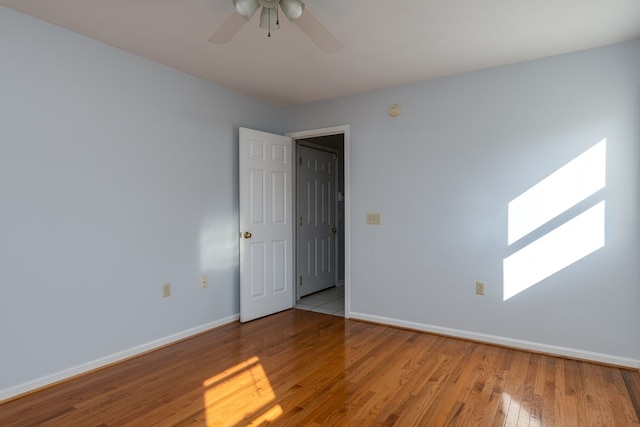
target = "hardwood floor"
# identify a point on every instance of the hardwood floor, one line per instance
(302, 368)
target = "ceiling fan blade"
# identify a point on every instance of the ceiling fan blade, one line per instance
(317, 32)
(228, 29)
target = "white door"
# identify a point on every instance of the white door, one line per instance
(266, 229)
(316, 216)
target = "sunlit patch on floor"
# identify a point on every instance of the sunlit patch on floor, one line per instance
(241, 395)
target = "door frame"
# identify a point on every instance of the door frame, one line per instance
(313, 133)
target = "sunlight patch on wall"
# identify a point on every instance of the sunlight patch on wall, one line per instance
(554, 251)
(218, 245)
(563, 189)
(568, 243)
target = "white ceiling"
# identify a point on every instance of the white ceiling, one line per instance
(385, 43)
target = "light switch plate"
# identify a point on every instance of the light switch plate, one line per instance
(373, 218)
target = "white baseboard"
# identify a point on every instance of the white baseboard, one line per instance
(506, 342)
(23, 388)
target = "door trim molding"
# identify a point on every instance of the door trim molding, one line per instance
(336, 130)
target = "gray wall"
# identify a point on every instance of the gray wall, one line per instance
(442, 173)
(116, 176)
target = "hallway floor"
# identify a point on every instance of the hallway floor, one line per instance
(329, 301)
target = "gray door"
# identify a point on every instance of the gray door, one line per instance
(316, 220)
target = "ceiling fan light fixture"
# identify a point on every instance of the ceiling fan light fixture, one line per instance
(292, 8)
(269, 19)
(246, 8)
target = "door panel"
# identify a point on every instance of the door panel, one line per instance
(316, 211)
(257, 269)
(266, 270)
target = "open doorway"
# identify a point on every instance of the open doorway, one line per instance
(321, 207)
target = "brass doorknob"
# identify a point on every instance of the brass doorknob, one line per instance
(247, 235)
(334, 231)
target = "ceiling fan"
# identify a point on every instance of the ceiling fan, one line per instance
(269, 20)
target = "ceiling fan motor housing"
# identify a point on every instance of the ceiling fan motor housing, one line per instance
(292, 9)
(268, 3)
